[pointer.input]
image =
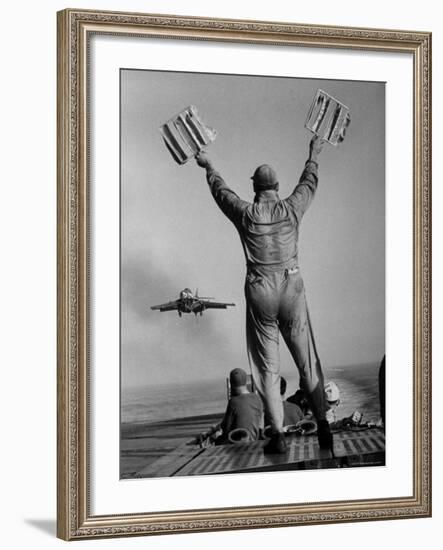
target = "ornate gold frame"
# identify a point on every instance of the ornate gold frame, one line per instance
(74, 518)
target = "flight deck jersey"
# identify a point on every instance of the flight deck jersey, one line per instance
(269, 226)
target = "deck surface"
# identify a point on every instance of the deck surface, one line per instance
(351, 448)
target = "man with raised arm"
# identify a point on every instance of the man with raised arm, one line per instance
(274, 289)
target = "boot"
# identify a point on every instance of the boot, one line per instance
(276, 445)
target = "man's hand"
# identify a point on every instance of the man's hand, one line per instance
(315, 148)
(203, 159)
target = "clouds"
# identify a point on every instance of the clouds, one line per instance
(144, 283)
(159, 347)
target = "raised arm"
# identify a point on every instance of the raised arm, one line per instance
(304, 191)
(229, 202)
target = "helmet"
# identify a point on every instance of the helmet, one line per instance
(237, 378)
(332, 393)
(265, 177)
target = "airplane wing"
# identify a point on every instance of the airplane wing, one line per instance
(215, 305)
(169, 306)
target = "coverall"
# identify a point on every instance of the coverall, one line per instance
(274, 289)
(243, 411)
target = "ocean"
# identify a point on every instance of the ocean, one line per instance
(358, 386)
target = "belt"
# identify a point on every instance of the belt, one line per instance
(289, 266)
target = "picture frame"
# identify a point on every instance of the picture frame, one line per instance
(77, 417)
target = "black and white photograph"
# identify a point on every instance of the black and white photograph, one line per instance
(252, 274)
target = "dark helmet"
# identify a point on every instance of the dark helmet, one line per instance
(265, 177)
(237, 378)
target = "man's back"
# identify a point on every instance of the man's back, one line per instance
(269, 230)
(244, 411)
(268, 227)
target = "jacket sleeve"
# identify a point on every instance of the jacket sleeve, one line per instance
(304, 191)
(229, 202)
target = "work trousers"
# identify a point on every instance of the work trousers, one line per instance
(276, 302)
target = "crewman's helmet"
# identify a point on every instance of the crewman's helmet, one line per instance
(332, 394)
(265, 177)
(237, 378)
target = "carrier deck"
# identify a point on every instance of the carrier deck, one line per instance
(352, 448)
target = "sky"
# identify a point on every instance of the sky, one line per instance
(174, 236)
